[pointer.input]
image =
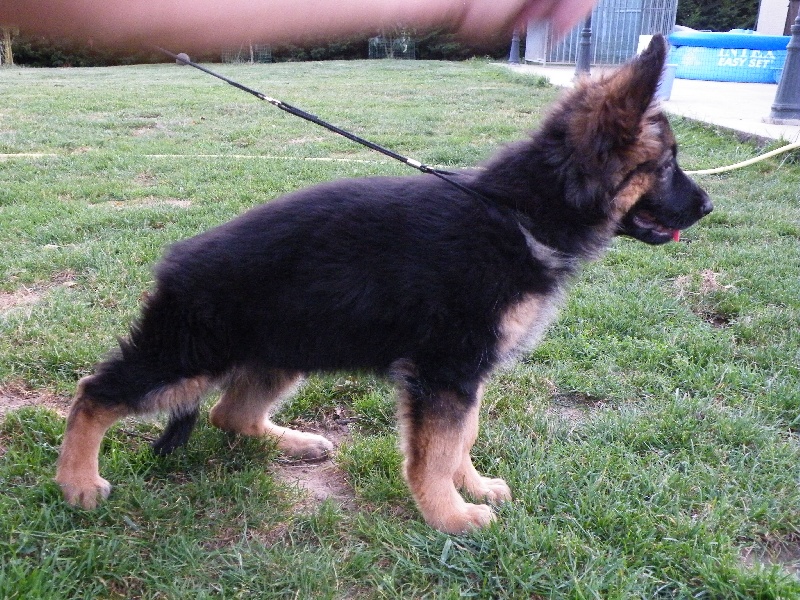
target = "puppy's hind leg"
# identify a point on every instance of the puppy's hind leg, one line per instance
(78, 471)
(118, 389)
(251, 397)
(436, 427)
(167, 362)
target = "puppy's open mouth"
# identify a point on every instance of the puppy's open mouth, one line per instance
(645, 220)
(643, 225)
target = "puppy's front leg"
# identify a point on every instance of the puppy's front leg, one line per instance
(491, 489)
(434, 435)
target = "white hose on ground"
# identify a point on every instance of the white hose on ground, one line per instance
(747, 162)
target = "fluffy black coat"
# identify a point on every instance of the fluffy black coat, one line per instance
(353, 274)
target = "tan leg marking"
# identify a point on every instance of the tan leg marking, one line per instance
(491, 489)
(433, 453)
(78, 471)
(247, 404)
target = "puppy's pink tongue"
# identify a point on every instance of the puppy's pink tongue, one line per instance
(676, 235)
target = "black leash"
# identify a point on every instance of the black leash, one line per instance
(293, 110)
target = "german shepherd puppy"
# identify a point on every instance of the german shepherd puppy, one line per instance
(404, 276)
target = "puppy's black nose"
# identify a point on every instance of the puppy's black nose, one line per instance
(705, 203)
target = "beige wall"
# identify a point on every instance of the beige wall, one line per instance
(772, 17)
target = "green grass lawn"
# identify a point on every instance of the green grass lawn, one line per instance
(650, 441)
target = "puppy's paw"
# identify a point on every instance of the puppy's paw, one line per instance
(467, 518)
(85, 493)
(490, 489)
(305, 446)
(494, 490)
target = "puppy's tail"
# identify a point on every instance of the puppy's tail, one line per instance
(179, 427)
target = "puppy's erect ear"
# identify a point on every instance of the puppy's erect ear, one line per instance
(645, 72)
(614, 106)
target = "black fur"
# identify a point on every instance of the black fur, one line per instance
(177, 432)
(347, 275)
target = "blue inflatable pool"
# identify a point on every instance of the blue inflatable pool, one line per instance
(738, 55)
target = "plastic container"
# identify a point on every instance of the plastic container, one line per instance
(739, 55)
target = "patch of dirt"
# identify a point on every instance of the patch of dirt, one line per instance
(22, 297)
(709, 284)
(783, 552)
(65, 278)
(16, 395)
(318, 482)
(145, 179)
(575, 407)
(28, 296)
(145, 130)
(321, 480)
(714, 319)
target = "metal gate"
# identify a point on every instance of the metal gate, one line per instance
(248, 53)
(402, 46)
(616, 27)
